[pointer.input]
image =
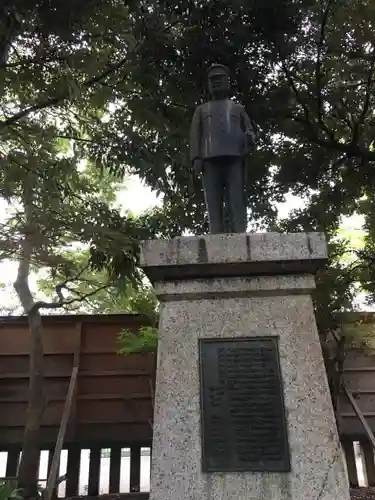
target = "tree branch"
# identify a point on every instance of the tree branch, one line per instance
(36, 107)
(41, 304)
(299, 100)
(352, 150)
(319, 62)
(59, 287)
(367, 99)
(52, 101)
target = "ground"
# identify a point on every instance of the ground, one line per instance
(363, 494)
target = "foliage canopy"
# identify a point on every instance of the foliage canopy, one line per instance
(117, 84)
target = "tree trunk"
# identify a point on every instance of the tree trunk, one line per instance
(10, 24)
(28, 468)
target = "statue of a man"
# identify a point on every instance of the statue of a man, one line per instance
(221, 135)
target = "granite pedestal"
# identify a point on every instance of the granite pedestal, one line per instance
(237, 286)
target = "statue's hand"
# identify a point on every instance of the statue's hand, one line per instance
(250, 136)
(198, 166)
(251, 140)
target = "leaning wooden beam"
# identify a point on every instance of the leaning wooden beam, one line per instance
(51, 483)
(361, 417)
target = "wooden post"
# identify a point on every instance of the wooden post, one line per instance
(12, 462)
(71, 430)
(368, 455)
(361, 417)
(50, 458)
(94, 472)
(72, 471)
(115, 469)
(350, 462)
(135, 468)
(60, 438)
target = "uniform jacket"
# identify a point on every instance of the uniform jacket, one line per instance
(219, 128)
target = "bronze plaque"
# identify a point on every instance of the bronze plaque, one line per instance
(242, 406)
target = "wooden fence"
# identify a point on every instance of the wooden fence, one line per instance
(112, 406)
(359, 379)
(124, 476)
(112, 402)
(360, 462)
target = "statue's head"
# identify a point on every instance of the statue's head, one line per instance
(218, 80)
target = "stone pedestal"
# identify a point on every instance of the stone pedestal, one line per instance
(234, 286)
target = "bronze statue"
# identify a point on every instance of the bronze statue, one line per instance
(221, 134)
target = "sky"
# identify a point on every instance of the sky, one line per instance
(137, 197)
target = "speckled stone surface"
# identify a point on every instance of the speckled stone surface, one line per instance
(222, 248)
(234, 287)
(233, 255)
(230, 307)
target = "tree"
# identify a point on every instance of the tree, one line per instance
(54, 59)
(152, 75)
(94, 292)
(46, 217)
(306, 76)
(168, 82)
(301, 72)
(304, 73)
(55, 62)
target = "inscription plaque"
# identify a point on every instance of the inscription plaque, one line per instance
(242, 406)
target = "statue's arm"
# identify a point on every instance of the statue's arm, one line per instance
(195, 135)
(248, 126)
